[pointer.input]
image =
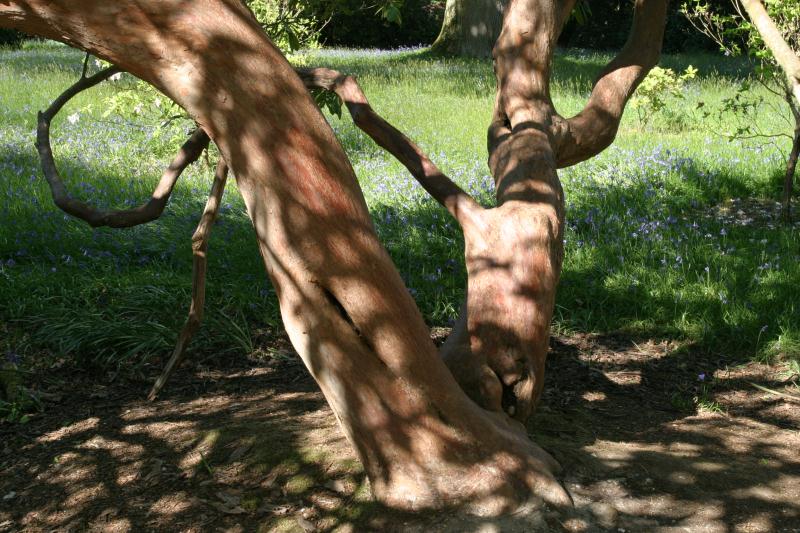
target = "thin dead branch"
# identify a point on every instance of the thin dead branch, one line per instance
(790, 397)
(146, 212)
(199, 262)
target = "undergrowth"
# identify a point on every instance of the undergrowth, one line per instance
(672, 232)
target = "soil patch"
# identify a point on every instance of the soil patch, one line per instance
(652, 436)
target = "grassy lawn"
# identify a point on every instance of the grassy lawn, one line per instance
(671, 231)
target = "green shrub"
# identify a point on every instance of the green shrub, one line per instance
(661, 87)
(11, 38)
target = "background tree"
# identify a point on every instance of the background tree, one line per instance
(432, 429)
(771, 39)
(470, 27)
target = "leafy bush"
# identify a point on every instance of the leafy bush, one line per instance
(661, 86)
(11, 38)
(288, 24)
(387, 24)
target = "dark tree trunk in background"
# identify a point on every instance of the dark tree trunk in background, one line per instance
(433, 429)
(470, 27)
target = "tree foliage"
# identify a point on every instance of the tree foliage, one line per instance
(287, 22)
(658, 89)
(736, 34)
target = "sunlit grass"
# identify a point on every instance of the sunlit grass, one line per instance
(670, 231)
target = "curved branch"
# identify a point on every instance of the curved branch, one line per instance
(147, 212)
(199, 262)
(593, 129)
(457, 201)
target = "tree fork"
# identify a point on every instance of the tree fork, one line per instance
(423, 442)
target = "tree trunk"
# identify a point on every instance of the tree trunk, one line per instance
(423, 441)
(786, 58)
(788, 179)
(470, 28)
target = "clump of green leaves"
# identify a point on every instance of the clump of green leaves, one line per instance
(15, 400)
(328, 100)
(289, 28)
(390, 11)
(286, 23)
(658, 90)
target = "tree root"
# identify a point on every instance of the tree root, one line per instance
(199, 247)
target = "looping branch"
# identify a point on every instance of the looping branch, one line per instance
(457, 201)
(147, 212)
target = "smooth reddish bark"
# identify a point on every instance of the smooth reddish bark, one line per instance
(422, 439)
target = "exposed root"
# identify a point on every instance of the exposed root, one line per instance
(199, 247)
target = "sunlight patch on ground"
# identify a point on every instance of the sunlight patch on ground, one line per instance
(70, 430)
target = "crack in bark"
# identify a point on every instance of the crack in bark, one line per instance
(342, 312)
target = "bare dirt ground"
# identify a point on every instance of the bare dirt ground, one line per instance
(652, 436)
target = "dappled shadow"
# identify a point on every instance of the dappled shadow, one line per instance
(304, 210)
(343, 303)
(257, 447)
(244, 446)
(628, 418)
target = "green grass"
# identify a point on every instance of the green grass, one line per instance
(649, 250)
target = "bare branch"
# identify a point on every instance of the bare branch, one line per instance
(147, 212)
(594, 128)
(784, 55)
(458, 202)
(199, 248)
(85, 67)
